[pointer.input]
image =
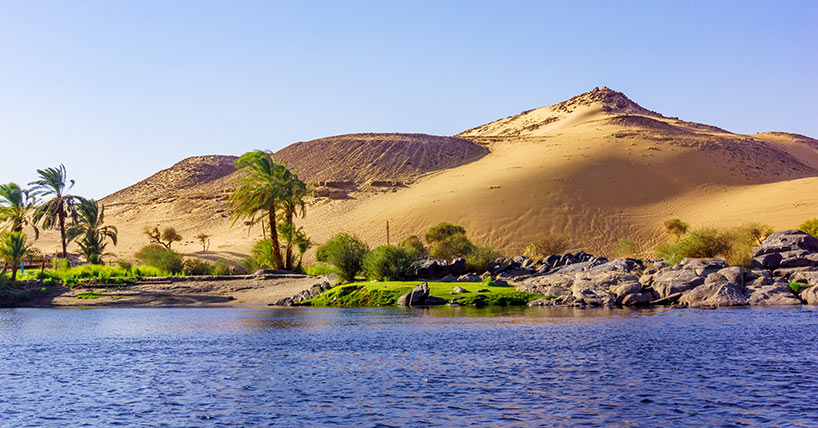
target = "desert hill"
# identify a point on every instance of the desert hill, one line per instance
(598, 167)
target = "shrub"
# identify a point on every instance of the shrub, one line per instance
(755, 233)
(412, 241)
(124, 264)
(702, 243)
(144, 270)
(159, 257)
(797, 286)
(249, 264)
(626, 247)
(390, 263)
(59, 263)
(549, 245)
(263, 254)
(675, 226)
(221, 267)
(318, 270)
(346, 252)
(197, 267)
(810, 226)
(443, 231)
(457, 245)
(479, 259)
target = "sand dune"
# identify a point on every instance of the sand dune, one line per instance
(597, 167)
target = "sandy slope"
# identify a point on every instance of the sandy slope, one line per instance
(598, 168)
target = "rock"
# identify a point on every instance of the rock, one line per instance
(457, 266)
(594, 290)
(469, 277)
(434, 301)
(519, 260)
(551, 261)
(687, 275)
(778, 293)
(809, 277)
(767, 261)
(337, 194)
(500, 283)
(787, 240)
(482, 290)
(416, 297)
(261, 272)
(547, 301)
(809, 295)
(429, 268)
(459, 290)
(455, 304)
(734, 274)
(514, 273)
(721, 293)
(546, 290)
(671, 299)
(485, 275)
(637, 299)
(448, 278)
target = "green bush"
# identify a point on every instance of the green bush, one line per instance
(344, 251)
(159, 257)
(318, 270)
(443, 231)
(810, 226)
(548, 245)
(197, 267)
(263, 254)
(412, 241)
(221, 267)
(249, 264)
(626, 247)
(59, 263)
(797, 286)
(390, 263)
(124, 264)
(457, 245)
(704, 243)
(480, 257)
(143, 271)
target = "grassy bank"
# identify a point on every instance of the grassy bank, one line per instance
(98, 274)
(363, 294)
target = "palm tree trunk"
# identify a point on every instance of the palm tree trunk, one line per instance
(61, 215)
(290, 241)
(13, 272)
(274, 237)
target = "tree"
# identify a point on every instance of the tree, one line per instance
(442, 231)
(166, 238)
(676, 227)
(17, 207)
(302, 243)
(91, 229)
(346, 252)
(53, 185)
(261, 187)
(292, 204)
(204, 239)
(13, 248)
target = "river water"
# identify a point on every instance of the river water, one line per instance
(395, 367)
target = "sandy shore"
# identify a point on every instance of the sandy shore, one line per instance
(243, 291)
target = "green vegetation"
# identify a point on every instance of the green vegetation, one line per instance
(88, 295)
(194, 267)
(810, 226)
(319, 269)
(53, 185)
(13, 248)
(204, 239)
(346, 252)
(480, 257)
(162, 258)
(548, 245)
(266, 188)
(17, 207)
(89, 227)
(361, 294)
(735, 245)
(676, 227)
(165, 238)
(448, 241)
(797, 286)
(627, 247)
(413, 242)
(390, 263)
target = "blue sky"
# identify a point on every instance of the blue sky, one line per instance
(117, 90)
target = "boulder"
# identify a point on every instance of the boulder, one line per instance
(459, 290)
(809, 277)
(809, 295)
(514, 273)
(457, 266)
(545, 290)
(687, 275)
(787, 240)
(734, 274)
(721, 293)
(546, 301)
(778, 293)
(416, 297)
(469, 277)
(593, 290)
(767, 261)
(448, 278)
(434, 301)
(637, 299)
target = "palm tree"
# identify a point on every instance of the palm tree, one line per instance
(292, 204)
(260, 189)
(16, 205)
(13, 248)
(90, 225)
(59, 206)
(303, 243)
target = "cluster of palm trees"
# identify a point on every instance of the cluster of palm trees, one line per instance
(267, 189)
(77, 218)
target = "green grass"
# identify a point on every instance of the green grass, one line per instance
(318, 270)
(362, 294)
(797, 286)
(91, 273)
(87, 296)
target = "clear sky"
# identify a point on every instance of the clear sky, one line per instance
(117, 90)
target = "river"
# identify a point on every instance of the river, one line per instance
(408, 367)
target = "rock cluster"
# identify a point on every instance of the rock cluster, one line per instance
(419, 296)
(304, 295)
(784, 257)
